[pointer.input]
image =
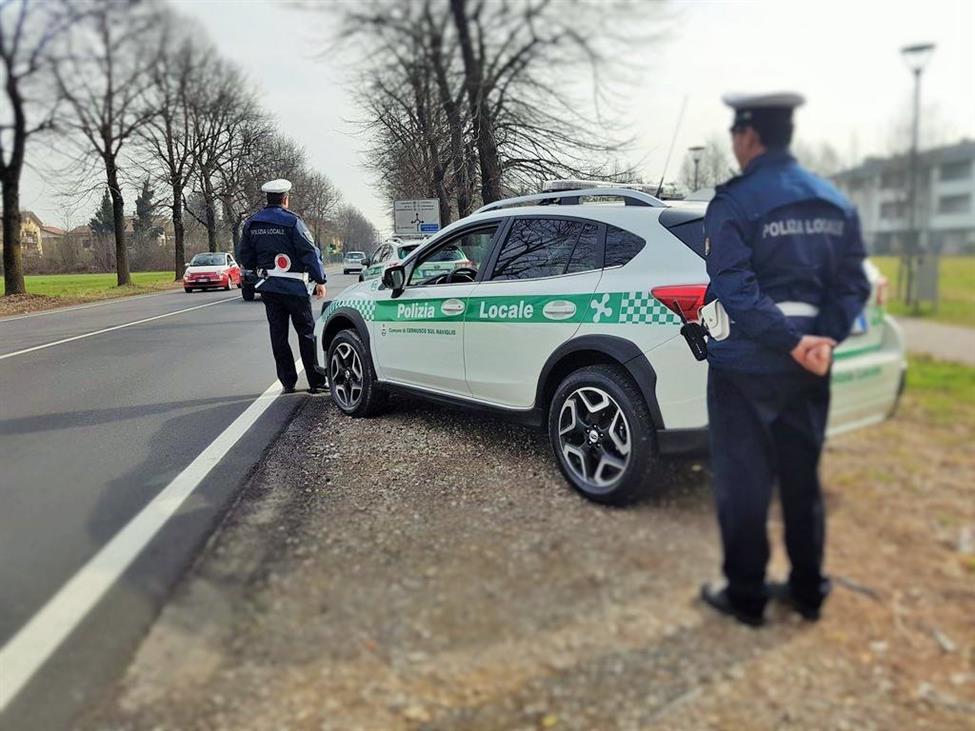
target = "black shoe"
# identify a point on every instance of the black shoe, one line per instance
(288, 389)
(718, 599)
(321, 388)
(779, 591)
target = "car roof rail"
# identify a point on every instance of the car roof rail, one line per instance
(571, 198)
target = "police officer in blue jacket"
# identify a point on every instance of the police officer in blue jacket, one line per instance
(278, 245)
(785, 259)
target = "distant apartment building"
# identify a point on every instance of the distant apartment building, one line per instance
(31, 241)
(945, 210)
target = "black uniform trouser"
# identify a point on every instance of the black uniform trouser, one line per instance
(763, 429)
(279, 308)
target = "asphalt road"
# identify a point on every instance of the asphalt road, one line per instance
(102, 407)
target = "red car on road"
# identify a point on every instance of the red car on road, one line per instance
(211, 271)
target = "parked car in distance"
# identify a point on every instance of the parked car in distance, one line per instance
(212, 270)
(352, 261)
(393, 252)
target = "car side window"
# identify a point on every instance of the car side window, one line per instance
(539, 247)
(466, 251)
(621, 246)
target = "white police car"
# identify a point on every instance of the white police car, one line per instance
(565, 316)
(388, 252)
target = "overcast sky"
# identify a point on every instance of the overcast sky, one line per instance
(842, 55)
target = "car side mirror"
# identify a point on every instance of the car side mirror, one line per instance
(394, 278)
(186, 264)
(365, 261)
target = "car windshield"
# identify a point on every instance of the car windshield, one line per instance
(208, 260)
(355, 255)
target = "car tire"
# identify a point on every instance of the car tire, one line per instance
(345, 271)
(360, 278)
(247, 293)
(355, 395)
(602, 435)
(187, 289)
(227, 288)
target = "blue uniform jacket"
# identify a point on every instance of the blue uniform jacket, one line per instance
(779, 234)
(275, 230)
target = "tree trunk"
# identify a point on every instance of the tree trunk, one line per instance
(470, 166)
(13, 256)
(487, 146)
(123, 276)
(179, 249)
(210, 202)
(455, 124)
(235, 233)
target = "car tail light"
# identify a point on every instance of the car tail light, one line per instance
(883, 290)
(684, 300)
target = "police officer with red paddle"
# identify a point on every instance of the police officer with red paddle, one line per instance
(278, 245)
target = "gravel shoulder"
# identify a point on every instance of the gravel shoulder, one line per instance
(429, 569)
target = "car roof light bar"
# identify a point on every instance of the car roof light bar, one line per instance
(571, 198)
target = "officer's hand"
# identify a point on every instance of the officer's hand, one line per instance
(814, 353)
(320, 291)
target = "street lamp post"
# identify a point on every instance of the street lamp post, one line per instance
(916, 56)
(696, 157)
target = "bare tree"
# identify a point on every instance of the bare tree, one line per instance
(319, 199)
(822, 158)
(354, 230)
(105, 82)
(224, 120)
(256, 153)
(461, 95)
(714, 166)
(168, 134)
(28, 31)
(516, 56)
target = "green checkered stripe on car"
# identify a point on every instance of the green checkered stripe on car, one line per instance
(640, 308)
(606, 308)
(366, 308)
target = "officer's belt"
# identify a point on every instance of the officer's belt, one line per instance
(797, 309)
(287, 275)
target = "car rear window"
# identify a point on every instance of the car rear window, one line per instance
(621, 246)
(688, 226)
(208, 260)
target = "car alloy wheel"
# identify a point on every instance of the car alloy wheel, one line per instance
(594, 437)
(345, 371)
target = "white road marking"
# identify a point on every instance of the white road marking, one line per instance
(110, 329)
(37, 640)
(111, 301)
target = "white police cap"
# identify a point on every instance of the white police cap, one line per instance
(777, 100)
(277, 186)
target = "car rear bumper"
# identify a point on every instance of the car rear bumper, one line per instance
(352, 267)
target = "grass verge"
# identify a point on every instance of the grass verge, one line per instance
(946, 391)
(956, 305)
(45, 291)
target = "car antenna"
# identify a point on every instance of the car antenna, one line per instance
(673, 140)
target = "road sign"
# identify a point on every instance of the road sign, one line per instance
(416, 217)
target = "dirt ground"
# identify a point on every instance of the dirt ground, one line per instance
(430, 570)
